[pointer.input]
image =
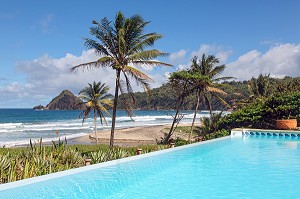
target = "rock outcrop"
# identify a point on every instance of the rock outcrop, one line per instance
(66, 100)
(39, 107)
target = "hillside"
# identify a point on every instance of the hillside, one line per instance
(164, 97)
(66, 100)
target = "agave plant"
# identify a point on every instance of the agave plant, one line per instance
(118, 153)
(98, 157)
(4, 165)
(112, 154)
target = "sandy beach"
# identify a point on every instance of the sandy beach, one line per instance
(132, 136)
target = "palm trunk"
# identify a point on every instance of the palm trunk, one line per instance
(172, 127)
(195, 114)
(95, 123)
(209, 106)
(176, 115)
(210, 111)
(112, 133)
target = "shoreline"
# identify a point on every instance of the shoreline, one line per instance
(127, 136)
(130, 136)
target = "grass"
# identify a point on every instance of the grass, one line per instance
(186, 129)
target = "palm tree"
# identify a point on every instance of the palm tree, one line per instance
(96, 99)
(260, 87)
(184, 84)
(207, 68)
(121, 45)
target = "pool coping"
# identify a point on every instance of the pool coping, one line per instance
(33, 180)
(240, 132)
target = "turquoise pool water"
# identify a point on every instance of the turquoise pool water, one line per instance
(242, 167)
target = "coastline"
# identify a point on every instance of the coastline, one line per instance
(51, 125)
(129, 136)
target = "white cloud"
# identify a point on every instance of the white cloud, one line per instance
(177, 57)
(183, 66)
(219, 51)
(281, 60)
(46, 77)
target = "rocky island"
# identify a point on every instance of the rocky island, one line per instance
(66, 100)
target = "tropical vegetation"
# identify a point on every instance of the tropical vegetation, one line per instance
(164, 97)
(96, 99)
(121, 46)
(38, 159)
(263, 113)
(207, 67)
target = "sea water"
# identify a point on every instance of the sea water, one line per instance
(17, 126)
(232, 168)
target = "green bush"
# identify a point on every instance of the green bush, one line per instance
(179, 141)
(263, 113)
(217, 134)
(283, 106)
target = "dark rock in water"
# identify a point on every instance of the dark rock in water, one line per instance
(66, 100)
(39, 107)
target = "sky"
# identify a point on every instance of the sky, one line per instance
(41, 40)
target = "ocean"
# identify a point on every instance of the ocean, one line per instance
(18, 126)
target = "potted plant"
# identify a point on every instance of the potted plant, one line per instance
(284, 109)
(285, 120)
(286, 124)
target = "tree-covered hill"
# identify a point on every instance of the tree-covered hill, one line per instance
(165, 97)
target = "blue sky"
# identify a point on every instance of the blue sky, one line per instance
(41, 40)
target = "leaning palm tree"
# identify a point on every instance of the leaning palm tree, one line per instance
(96, 99)
(121, 46)
(207, 67)
(184, 83)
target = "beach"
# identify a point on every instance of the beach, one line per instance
(132, 136)
(18, 126)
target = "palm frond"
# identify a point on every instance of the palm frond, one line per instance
(222, 100)
(90, 65)
(85, 113)
(150, 63)
(223, 79)
(215, 90)
(216, 71)
(98, 48)
(129, 89)
(135, 73)
(147, 55)
(140, 77)
(107, 102)
(143, 42)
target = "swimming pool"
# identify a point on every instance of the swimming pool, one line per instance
(230, 167)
